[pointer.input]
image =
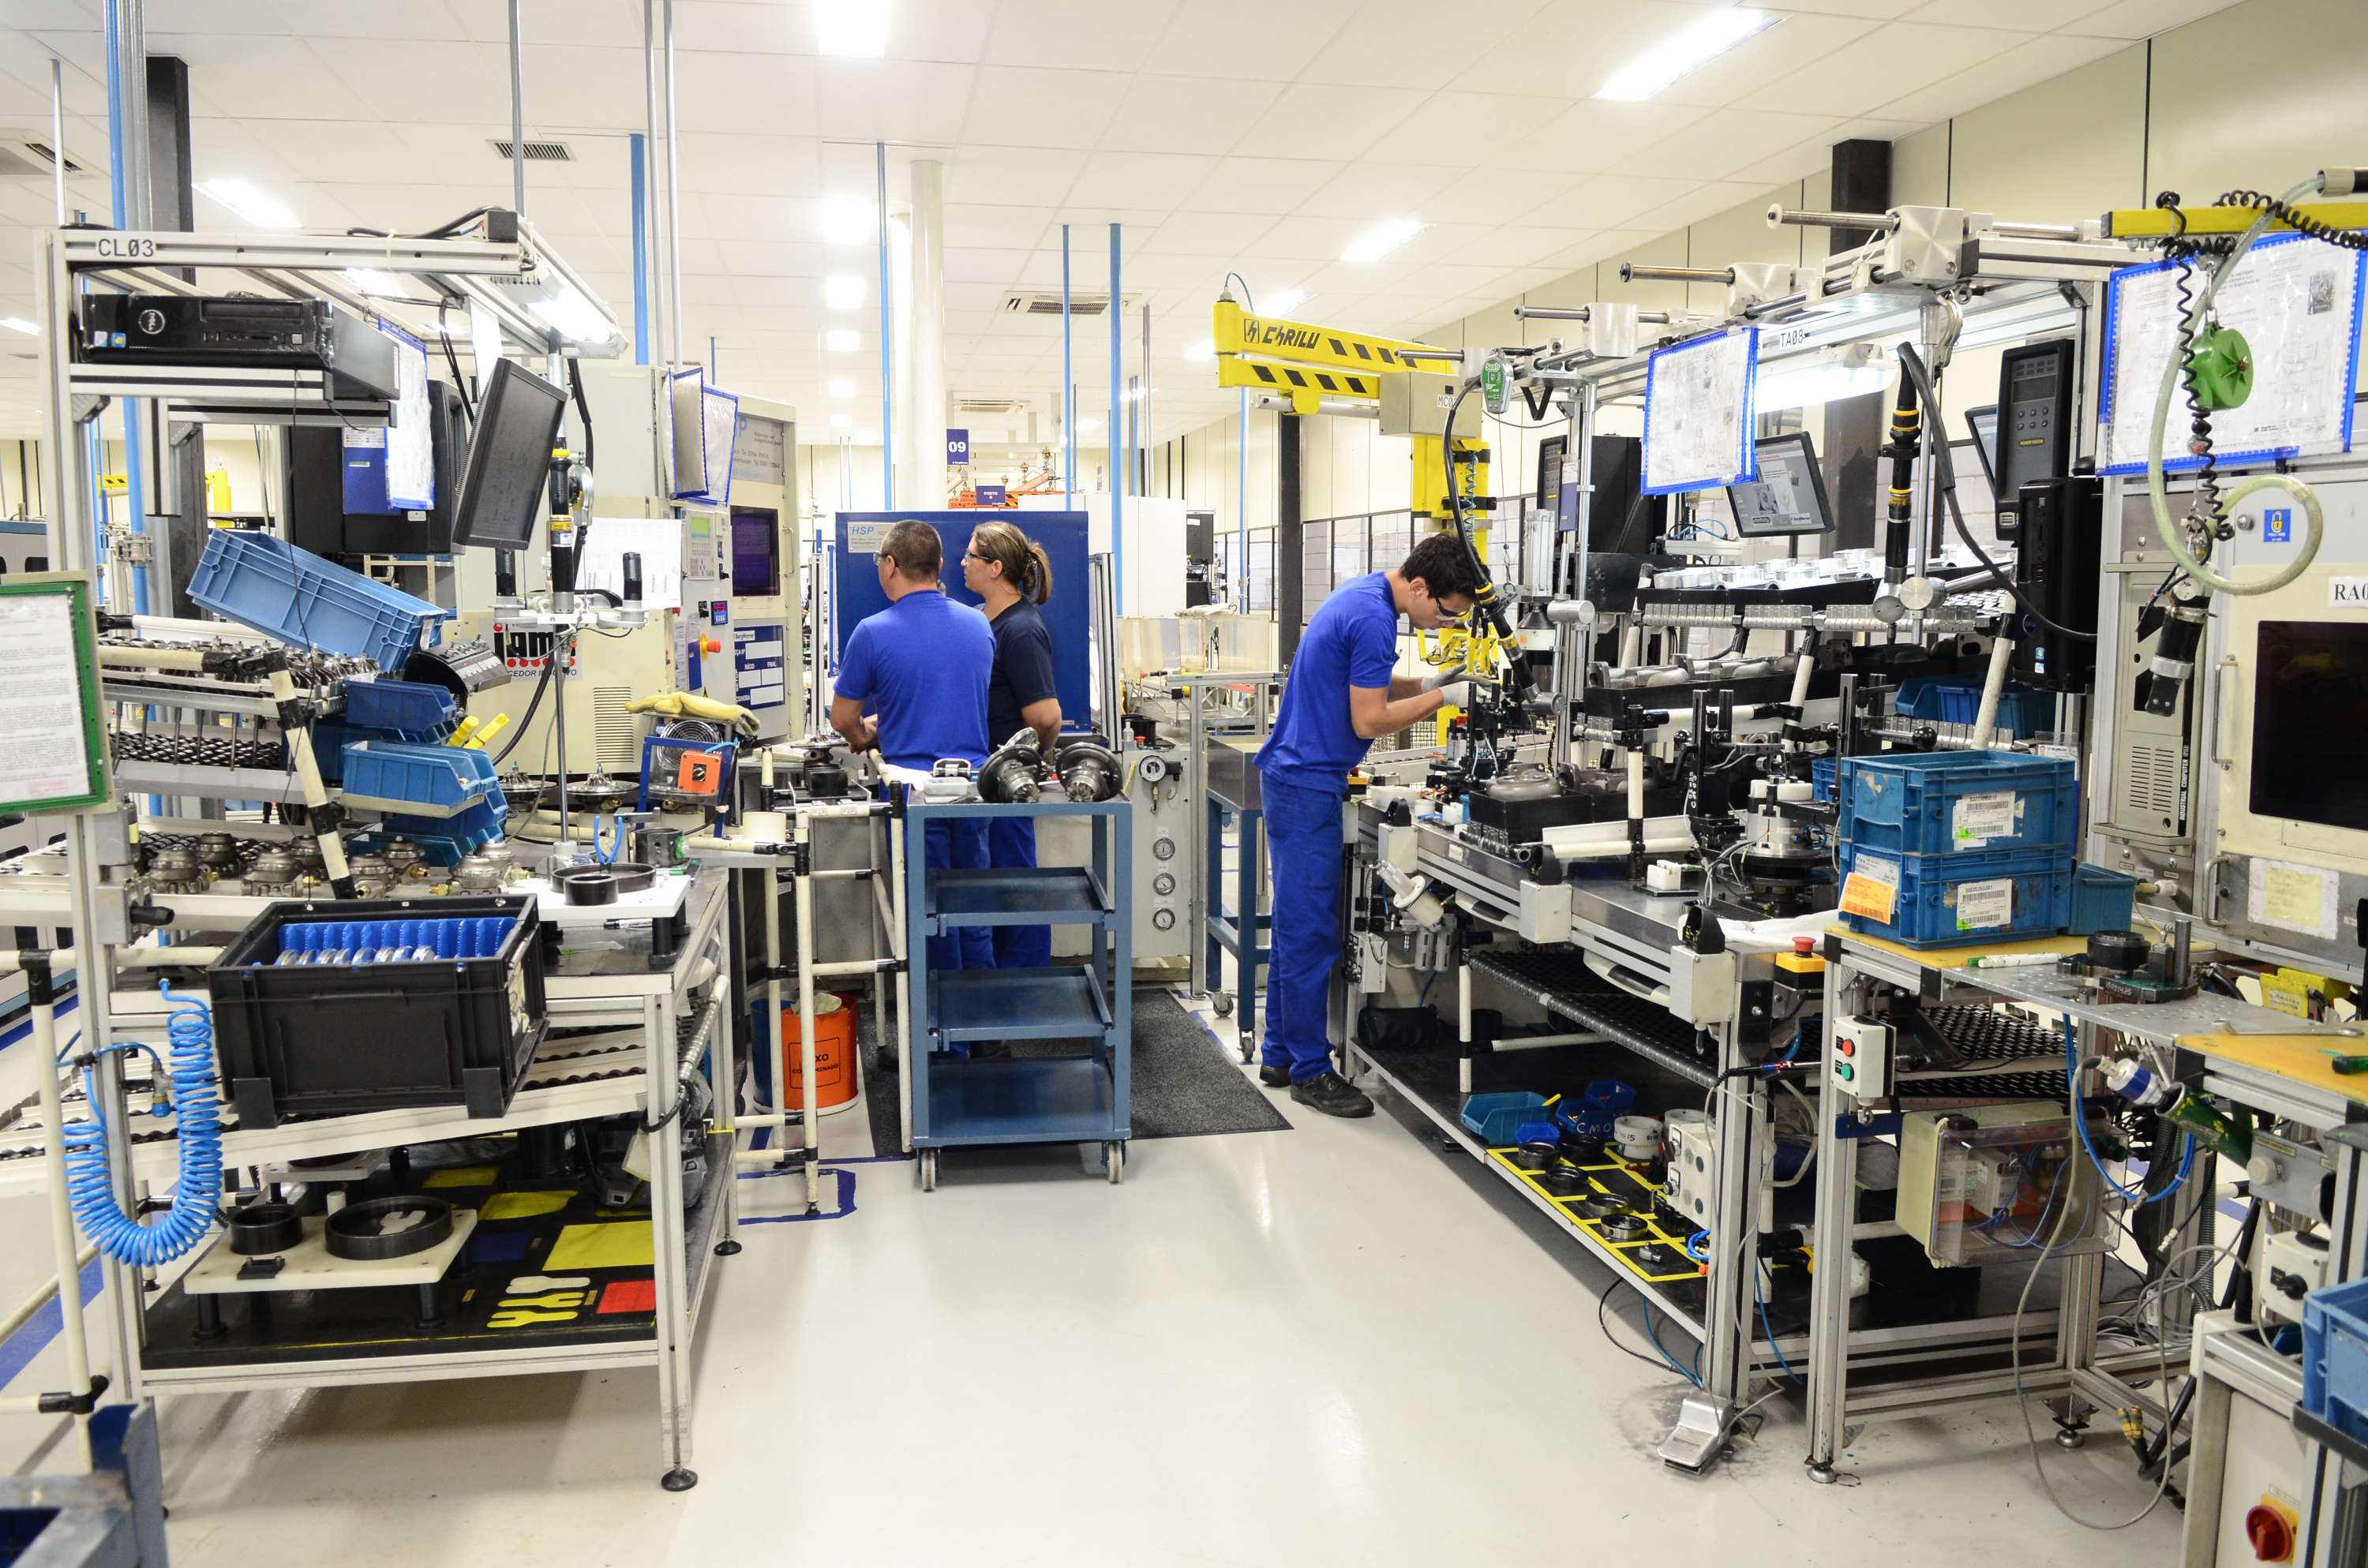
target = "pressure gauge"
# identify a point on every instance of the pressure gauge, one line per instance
(1163, 920)
(1154, 767)
(1164, 883)
(1163, 848)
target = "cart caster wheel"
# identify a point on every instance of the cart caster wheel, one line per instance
(679, 1480)
(1824, 1474)
(1114, 1156)
(929, 1170)
(1223, 1003)
(727, 1249)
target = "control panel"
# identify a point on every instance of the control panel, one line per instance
(2035, 417)
(1861, 1064)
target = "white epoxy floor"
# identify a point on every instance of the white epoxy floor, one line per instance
(1330, 1344)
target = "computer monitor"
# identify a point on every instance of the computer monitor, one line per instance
(1983, 424)
(509, 459)
(1551, 451)
(1789, 496)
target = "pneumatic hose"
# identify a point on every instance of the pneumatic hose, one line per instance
(90, 1186)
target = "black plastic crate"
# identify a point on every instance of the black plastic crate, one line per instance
(323, 1038)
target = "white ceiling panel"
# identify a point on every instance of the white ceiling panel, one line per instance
(1085, 34)
(1016, 106)
(1367, 193)
(1716, 145)
(1794, 42)
(1271, 186)
(1153, 181)
(1884, 65)
(1321, 121)
(998, 226)
(893, 100)
(2030, 15)
(1208, 234)
(331, 19)
(726, 27)
(1248, 37)
(1396, 45)
(1188, 114)
(2035, 61)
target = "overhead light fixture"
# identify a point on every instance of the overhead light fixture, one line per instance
(843, 292)
(1694, 45)
(569, 314)
(1375, 244)
(1283, 299)
(18, 324)
(370, 280)
(1848, 369)
(847, 219)
(1204, 349)
(842, 340)
(839, 389)
(1087, 426)
(250, 204)
(853, 27)
(842, 422)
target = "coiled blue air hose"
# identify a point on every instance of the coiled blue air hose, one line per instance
(90, 1188)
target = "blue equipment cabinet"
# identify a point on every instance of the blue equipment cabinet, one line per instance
(1068, 1100)
(1068, 616)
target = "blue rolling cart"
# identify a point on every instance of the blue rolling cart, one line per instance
(1083, 1099)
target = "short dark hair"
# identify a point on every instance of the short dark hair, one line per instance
(915, 549)
(1444, 566)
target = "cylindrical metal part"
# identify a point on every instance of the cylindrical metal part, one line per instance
(517, 115)
(632, 580)
(1551, 312)
(1993, 686)
(1781, 216)
(1636, 272)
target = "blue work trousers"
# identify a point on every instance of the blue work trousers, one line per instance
(1304, 849)
(1011, 842)
(959, 845)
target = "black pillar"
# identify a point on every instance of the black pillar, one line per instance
(1290, 597)
(1855, 426)
(176, 504)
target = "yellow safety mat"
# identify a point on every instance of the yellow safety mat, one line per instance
(524, 1205)
(623, 1243)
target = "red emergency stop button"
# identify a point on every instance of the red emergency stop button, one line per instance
(709, 645)
(1804, 945)
(2272, 1533)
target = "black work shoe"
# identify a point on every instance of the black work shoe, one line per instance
(1275, 1077)
(1332, 1094)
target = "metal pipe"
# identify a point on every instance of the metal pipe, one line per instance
(900, 994)
(887, 358)
(517, 117)
(58, 135)
(1338, 407)
(674, 208)
(1068, 403)
(1431, 354)
(126, 130)
(809, 1102)
(1242, 506)
(1992, 687)
(2035, 231)
(637, 153)
(645, 247)
(1633, 272)
(1117, 489)
(71, 1330)
(1781, 216)
(1551, 312)
(1142, 404)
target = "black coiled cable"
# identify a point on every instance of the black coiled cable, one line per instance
(2183, 252)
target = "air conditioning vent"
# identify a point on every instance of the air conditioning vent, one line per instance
(2152, 784)
(536, 151)
(1049, 304)
(616, 734)
(990, 406)
(25, 154)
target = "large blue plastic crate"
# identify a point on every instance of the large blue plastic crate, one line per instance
(1495, 1118)
(409, 709)
(2102, 900)
(1956, 802)
(2022, 710)
(1821, 779)
(436, 777)
(2335, 1357)
(1926, 913)
(272, 586)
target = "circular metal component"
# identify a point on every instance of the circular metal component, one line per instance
(2118, 951)
(825, 780)
(1889, 610)
(1918, 593)
(1653, 1255)
(1154, 767)
(1164, 883)
(1537, 1156)
(218, 851)
(1564, 1181)
(623, 877)
(1163, 920)
(1163, 848)
(1625, 1227)
(1599, 1207)
(276, 867)
(378, 1229)
(264, 1227)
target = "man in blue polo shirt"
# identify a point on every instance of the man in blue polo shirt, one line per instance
(913, 684)
(1339, 697)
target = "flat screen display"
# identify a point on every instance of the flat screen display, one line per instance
(2310, 722)
(756, 553)
(1983, 423)
(1789, 496)
(502, 492)
(1551, 451)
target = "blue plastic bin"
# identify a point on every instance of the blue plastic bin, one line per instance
(1495, 1118)
(300, 598)
(2335, 1357)
(441, 778)
(1821, 779)
(2022, 710)
(447, 841)
(1926, 913)
(407, 708)
(1948, 802)
(2102, 900)
(1590, 1112)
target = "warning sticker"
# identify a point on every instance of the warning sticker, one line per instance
(1974, 820)
(1871, 889)
(1982, 905)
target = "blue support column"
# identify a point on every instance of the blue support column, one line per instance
(637, 151)
(1068, 385)
(887, 368)
(1117, 484)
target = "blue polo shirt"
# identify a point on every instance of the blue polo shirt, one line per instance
(922, 665)
(1351, 640)
(1023, 669)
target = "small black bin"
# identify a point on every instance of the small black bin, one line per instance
(388, 1033)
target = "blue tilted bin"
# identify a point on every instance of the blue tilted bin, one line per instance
(1495, 1118)
(2037, 895)
(2335, 1357)
(298, 597)
(1956, 801)
(439, 777)
(2102, 900)
(407, 710)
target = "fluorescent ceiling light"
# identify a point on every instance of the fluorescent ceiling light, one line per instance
(1087, 426)
(253, 206)
(1843, 370)
(1283, 299)
(18, 324)
(847, 219)
(370, 280)
(842, 422)
(1204, 349)
(842, 340)
(1375, 244)
(569, 314)
(1694, 45)
(843, 292)
(841, 388)
(857, 28)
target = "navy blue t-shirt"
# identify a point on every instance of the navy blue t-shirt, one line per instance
(1351, 640)
(1023, 669)
(921, 664)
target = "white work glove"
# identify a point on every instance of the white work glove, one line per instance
(1440, 680)
(1460, 693)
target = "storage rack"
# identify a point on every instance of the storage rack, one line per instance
(957, 1103)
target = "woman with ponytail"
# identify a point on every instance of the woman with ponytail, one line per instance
(1010, 573)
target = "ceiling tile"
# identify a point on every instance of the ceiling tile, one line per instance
(329, 18)
(1086, 35)
(1024, 176)
(1188, 114)
(1795, 42)
(1138, 179)
(1445, 127)
(728, 28)
(1256, 39)
(996, 225)
(2144, 18)
(1274, 185)
(1723, 141)
(1881, 67)
(1207, 234)
(2035, 61)
(892, 100)
(1393, 45)
(1592, 135)
(2029, 16)
(1317, 121)
(771, 94)
(1028, 107)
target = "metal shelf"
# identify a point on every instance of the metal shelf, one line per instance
(1025, 895)
(1064, 1002)
(1030, 1100)
(1561, 982)
(283, 788)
